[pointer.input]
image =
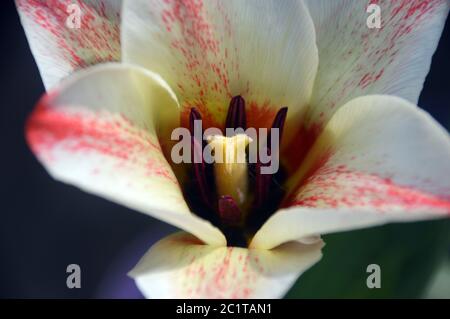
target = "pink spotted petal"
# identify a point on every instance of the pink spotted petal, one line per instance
(98, 131)
(180, 266)
(356, 60)
(211, 50)
(60, 49)
(380, 159)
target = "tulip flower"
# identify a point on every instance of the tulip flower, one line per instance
(355, 151)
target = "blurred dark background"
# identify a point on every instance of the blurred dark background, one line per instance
(46, 225)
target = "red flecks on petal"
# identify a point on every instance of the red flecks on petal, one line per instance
(405, 16)
(377, 54)
(202, 41)
(50, 131)
(336, 186)
(222, 272)
(97, 40)
(313, 170)
(201, 51)
(224, 278)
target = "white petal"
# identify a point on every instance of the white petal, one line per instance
(97, 131)
(179, 266)
(356, 60)
(379, 159)
(209, 51)
(60, 49)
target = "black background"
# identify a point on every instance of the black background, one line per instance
(46, 225)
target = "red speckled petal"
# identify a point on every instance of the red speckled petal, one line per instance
(380, 159)
(356, 60)
(60, 49)
(210, 51)
(179, 266)
(97, 131)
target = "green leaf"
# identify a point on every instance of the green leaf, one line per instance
(408, 255)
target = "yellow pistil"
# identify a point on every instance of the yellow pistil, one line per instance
(230, 166)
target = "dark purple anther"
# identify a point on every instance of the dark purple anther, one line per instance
(236, 117)
(194, 116)
(278, 123)
(200, 170)
(263, 181)
(229, 212)
(198, 163)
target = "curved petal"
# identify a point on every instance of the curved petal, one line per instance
(356, 60)
(379, 159)
(179, 266)
(98, 132)
(58, 46)
(209, 51)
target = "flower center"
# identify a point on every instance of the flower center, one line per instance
(247, 189)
